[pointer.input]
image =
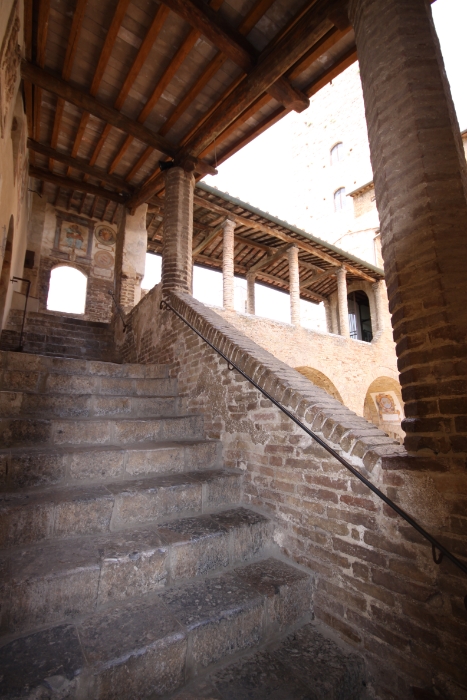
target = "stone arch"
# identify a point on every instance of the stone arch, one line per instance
(71, 277)
(383, 395)
(320, 379)
(5, 274)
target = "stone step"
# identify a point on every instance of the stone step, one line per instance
(60, 383)
(15, 403)
(22, 432)
(306, 665)
(67, 511)
(36, 467)
(151, 646)
(13, 361)
(52, 583)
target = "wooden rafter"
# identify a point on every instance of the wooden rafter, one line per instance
(209, 239)
(72, 47)
(81, 165)
(270, 259)
(69, 184)
(233, 45)
(303, 245)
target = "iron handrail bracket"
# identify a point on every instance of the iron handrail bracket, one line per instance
(25, 310)
(435, 544)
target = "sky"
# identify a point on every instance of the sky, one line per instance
(237, 177)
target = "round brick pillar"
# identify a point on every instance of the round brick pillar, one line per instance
(342, 302)
(327, 311)
(250, 293)
(177, 267)
(228, 279)
(294, 286)
(420, 184)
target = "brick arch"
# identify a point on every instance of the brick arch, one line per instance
(320, 379)
(382, 385)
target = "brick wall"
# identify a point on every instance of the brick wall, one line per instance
(377, 585)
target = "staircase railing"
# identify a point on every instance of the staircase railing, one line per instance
(120, 311)
(435, 544)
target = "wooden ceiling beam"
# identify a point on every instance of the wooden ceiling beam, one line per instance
(209, 239)
(314, 24)
(233, 45)
(69, 184)
(79, 164)
(269, 259)
(78, 16)
(84, 101)
(110, 39)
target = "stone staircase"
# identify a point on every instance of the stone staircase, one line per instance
(59, 336)
(129, 567)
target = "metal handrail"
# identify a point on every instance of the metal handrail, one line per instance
(120, 311)
(435, 544)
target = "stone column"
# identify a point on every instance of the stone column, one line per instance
(342, 302)
(250, 293)
(421, 193)
(228, 265)
(327, 310)
(381, 300)
(177, 267)
(294, 285)
(130, 257)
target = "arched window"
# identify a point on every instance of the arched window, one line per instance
(337, 153)
(359, 317)
(339, 199)
(67, 290)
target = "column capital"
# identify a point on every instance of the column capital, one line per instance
(229, 223)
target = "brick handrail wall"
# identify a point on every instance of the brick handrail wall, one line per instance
(376, 584)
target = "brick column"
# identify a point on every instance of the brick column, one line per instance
(177, 268)
(130, 257)
(380, 296)
(250, 293)
(420, 185)
(334, 319)
(327, 310)
(294, 284)
(228, 265)
(342, 302)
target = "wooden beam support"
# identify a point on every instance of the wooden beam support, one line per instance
(319, 277)
(81, 165)
(209, 239)
(314, 24)
(300, 243)
(279, 280)
(233, 45)
(269, 259)
(69, 184)
(83, 100)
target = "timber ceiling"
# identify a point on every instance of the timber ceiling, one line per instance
(261, 244)
(113, 87)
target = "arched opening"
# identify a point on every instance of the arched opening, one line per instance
(320, 379)
(339, 199)
(359, 316)
(337, 153)
(6, 267)
(384, 407)
(67, 290)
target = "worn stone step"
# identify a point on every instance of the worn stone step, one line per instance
(84, 405)
(38, 467)
(21, 432)
(67, 511)
(37, 363)
(60, 383)
(306, 665)
(149, 647)
(56, 582)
